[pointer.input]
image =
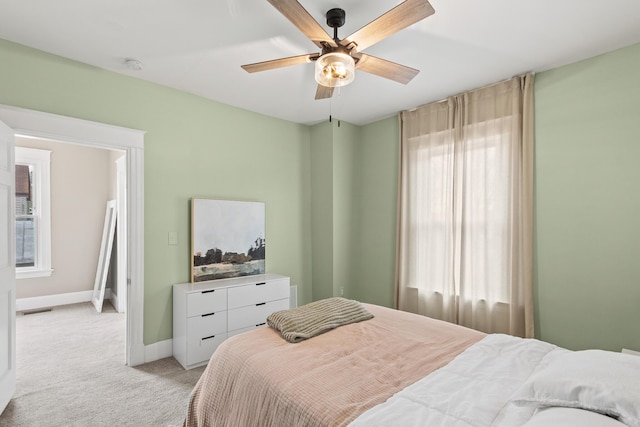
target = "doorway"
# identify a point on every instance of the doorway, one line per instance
(60, 203)
(60, 128)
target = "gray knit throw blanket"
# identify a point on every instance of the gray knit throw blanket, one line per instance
(307, 321)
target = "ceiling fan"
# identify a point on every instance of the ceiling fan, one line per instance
(336, 63)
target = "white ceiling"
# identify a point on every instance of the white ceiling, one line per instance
(198, 46)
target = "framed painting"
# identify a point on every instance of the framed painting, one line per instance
(227, 239)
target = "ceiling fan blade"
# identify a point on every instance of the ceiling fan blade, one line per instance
(279, 63)
(324, 92)
(387, 69)
(405, 14)
(298, 15)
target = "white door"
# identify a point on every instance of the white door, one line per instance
(7, 268)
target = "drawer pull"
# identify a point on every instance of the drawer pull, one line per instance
(261, 283)
(261, 324)
(209, 291)
(262, 303)
(208, 338)
(208, 314)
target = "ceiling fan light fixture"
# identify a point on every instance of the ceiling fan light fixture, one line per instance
(335, 69)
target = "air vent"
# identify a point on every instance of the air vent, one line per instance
(38, 310)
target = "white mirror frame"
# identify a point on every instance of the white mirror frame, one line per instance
(104, 259)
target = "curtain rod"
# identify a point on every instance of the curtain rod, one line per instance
(472, 90)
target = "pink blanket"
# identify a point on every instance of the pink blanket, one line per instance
(259, 379)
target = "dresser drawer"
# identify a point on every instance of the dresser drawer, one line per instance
(200, 350)
(254, 315)
(199, 327)
(257, 293)
(205, 302)
(243, 330)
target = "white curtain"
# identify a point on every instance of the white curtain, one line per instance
(464, 251)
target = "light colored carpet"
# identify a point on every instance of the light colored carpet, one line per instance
(71, 372)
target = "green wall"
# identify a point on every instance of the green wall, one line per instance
(587, 202)
(322, 209)
(354, 196)
(193, 147)
(334, 188)
(346, 142)
(376, 211)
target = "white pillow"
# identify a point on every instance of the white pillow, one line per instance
(600, 381)
(570, 417)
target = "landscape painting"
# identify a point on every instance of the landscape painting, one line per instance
(227, 239)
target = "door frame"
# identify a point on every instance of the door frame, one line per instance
(121, 240)
(83, 132)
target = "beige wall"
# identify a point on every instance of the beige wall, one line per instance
(112, 157)
(79, 191)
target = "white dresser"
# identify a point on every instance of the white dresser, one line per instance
(207, 313)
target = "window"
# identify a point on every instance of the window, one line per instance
(465, 234)
(33, 213)
(461, 210)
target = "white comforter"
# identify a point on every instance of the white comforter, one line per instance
(472, 390)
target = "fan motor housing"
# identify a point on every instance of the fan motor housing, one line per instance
(336, 18)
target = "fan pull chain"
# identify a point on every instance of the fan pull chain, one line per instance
(339, 94)
(331, 107)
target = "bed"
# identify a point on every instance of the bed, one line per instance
(401, 369)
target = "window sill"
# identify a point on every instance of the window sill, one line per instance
(32, 274)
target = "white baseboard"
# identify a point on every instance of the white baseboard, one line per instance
(158, 350)
(45, 301)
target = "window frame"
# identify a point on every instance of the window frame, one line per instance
(40, 160)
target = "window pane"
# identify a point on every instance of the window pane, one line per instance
(25, 242)
(25, 221)
(24, 190)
